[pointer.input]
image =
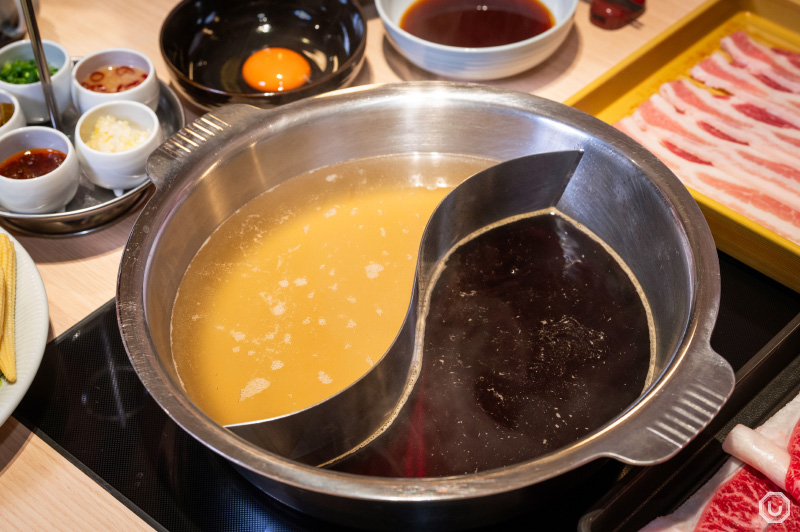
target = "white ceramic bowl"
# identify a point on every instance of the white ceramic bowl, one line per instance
(31, 95)
(146, 92)
(17, 119)
(49, 192)
(123, 170)
(491, 62)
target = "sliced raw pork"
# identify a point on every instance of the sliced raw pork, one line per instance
(757, 58)
(717, 72)
(740, 148)
(778, 212)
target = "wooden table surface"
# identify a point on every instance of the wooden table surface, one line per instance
(39, 488)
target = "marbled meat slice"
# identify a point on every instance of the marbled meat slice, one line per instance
(770, 211)
(717, 72)
(732, 111)
(783, 163)
(729, 501)
(772, 460)
(778, 175)
(779, 464)
(766, 113)
(756, 57)
(793, 57)
(716, 114)
(738, 147)
(686, 96)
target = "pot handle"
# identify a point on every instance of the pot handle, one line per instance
(679, 410)
(197, 140)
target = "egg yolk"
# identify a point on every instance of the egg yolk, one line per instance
(276, 69)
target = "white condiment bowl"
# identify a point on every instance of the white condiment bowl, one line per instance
(122, 170)
(146, 92)
(17, 119)
(31, 95)
(49, 192)
(492, 62)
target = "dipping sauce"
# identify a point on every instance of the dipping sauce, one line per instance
(476, 24)
(6, 112)
(275, 70)
(32, 163)
(535, 335)
(303, 289)
(114, 78)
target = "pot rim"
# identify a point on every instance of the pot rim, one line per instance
(606, 441)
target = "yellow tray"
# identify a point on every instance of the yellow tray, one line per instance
(671, 55)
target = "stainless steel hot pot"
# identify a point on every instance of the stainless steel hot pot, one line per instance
(620, 192)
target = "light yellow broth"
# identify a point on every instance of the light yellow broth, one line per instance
(301, 291)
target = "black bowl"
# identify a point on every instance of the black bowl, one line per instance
(205, 42)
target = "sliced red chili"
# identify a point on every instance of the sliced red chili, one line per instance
(96, 76)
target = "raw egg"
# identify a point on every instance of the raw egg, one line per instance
(276, 69)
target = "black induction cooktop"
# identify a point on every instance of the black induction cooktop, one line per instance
(88, 403)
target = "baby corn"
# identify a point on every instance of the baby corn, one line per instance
(8, 265)
(2, 300)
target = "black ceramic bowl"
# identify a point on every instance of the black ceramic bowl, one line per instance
(205, 43)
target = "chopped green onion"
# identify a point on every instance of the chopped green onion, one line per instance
(21, 72)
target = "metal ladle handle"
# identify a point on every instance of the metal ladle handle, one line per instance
(41, 62)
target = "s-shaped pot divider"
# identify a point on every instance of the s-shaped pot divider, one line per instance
(347, 421)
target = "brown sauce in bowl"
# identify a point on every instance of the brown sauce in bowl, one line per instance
(535, 336)
(32, 163)
(471, 24)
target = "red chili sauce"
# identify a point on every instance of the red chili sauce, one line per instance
(32, 163)
(114, 78)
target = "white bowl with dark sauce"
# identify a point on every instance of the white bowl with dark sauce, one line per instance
(475, 54)
(39, 170)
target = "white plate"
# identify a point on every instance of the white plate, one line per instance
(32, 324)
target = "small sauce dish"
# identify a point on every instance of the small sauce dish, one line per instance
(17, 119)
(46, 193)
(476, 63)
(31, 95)
(97, 65)
(130, 128)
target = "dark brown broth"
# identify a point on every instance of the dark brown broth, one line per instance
(472, 24)
(535, 337)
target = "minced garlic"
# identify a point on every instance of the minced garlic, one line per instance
(112, 135)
